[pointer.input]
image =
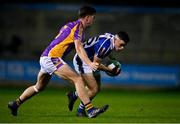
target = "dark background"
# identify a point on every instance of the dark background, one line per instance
(27, 27)
(147, 3)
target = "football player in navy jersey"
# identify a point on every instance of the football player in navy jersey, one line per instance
(97, 48)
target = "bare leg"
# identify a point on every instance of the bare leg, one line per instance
(66, 72)
(42, 81)
(92, 87)
(92, 84)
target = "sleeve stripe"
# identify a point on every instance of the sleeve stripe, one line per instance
(102, 45)
(107, 50)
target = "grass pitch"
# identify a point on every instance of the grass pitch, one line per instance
(125, 106)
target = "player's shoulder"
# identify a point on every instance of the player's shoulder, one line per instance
(106, 35)
(71, 24)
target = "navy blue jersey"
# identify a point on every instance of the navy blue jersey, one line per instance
(100, 46)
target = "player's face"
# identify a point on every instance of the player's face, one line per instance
(119, 44)
(89, 20)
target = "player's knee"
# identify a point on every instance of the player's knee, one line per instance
(38, 88)
(35, 89)
(78, 79)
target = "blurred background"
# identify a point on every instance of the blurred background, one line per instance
(151, 59)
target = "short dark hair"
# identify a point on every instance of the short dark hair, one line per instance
(86, 10)
(123, 36)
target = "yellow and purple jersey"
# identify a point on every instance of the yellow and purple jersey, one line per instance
(64, 41)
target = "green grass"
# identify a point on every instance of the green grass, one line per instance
(125, 106)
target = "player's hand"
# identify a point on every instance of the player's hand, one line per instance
(94, 66)
(116, 71)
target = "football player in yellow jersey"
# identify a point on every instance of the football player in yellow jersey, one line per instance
(51, 62)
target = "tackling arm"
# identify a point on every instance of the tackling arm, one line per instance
(81, 52)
